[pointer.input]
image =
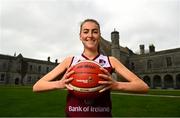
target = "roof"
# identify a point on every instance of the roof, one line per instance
(106, 46)
(159, 52)
(9, 57)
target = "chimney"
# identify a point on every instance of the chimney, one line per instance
(151, 48)
(56, 61)
(49, 59)
(141, 49)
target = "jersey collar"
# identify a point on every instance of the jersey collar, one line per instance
(90, 59)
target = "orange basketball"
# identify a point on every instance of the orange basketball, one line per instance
(85, 82)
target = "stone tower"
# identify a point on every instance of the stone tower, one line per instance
(115, 49)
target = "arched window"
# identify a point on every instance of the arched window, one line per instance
(147, 79)
(2, 77)
(168, 81)
(16, 81)
(157, 81)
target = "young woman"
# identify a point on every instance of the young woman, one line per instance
(99, 107)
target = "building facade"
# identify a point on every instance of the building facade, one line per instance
(158, 69)
(17, 70)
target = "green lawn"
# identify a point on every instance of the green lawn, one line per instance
(21, 101)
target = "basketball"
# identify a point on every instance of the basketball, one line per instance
(85, 79)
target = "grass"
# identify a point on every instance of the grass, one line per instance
(145, 106)
(22, 102)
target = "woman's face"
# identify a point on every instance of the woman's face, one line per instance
(90, 35)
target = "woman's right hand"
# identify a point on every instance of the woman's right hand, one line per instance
(64, 82)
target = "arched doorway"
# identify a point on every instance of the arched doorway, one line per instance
(157, 81)
(2, 77)
(178, 81)
(168, 81)
(147, 79)
(16, 81)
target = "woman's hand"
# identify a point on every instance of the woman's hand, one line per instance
(64, 82)
(108, 80)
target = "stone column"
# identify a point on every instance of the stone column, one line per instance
(162, 82)
(174, 81)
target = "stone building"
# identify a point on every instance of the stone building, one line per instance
(17, 70)
(159, 69)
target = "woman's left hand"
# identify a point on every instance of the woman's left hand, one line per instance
(108, 80)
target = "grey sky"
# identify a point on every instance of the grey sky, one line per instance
(41, 28)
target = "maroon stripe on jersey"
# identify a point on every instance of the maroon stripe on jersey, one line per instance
(90, 59)
(112, 69)
(71, 61)
(109, 69)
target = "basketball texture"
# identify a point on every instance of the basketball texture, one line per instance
(85, 82)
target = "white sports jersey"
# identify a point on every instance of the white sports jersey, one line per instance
(99, 107)
(101, 59)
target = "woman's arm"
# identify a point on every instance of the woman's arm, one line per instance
(133, 84)
(46, 83)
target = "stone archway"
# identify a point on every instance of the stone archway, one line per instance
(157, 81)
(147, 79)
(178, 81)
(16, 81)
(2, 77)
(168, 81)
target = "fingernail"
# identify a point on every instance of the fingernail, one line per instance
(101, 91)
(99, 82)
